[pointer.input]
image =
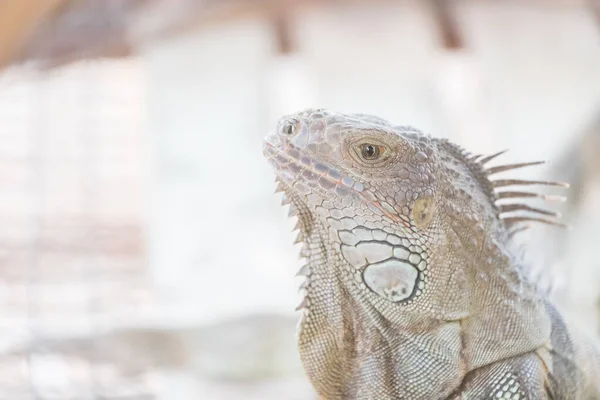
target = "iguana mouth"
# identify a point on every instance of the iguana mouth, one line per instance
(293, 167)
(304, 174)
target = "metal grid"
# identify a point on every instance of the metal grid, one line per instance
(72, 256)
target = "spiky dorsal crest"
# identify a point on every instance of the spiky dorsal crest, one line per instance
(507, 201)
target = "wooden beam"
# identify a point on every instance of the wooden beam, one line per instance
(281, 21)
(443, 11)
(217, 12)
(18, 19)
(595, 7)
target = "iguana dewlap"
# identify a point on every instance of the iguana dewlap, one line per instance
(413, 290)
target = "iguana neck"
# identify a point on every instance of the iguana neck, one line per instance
(341, 331)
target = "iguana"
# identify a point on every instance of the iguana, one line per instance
(413, 289)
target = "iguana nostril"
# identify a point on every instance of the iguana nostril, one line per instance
(289, 128)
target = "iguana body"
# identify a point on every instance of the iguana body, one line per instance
(412, 290)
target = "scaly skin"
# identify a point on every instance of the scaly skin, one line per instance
(412, 288)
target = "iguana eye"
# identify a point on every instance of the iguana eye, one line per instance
(370, 151)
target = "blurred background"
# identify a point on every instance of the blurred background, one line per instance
(142, 252)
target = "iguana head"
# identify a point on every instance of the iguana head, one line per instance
(399, 206)
(398, 227)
